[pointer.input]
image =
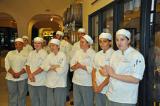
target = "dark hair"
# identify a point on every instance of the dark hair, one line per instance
(127, 37)
(66, 36)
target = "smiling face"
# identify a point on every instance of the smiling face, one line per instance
(122, 42)
(38, 45)
(80, 34)
(84, 44)
(19, 45)
(105, 44)
(25, 41)
(58, 36)
(54, 48)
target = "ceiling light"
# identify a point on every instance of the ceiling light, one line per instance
(51, 19)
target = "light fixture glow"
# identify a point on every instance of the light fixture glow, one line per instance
(51, 19)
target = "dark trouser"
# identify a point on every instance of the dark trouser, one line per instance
(38, 95)
(111, 103)
(83, 95)
(17, 92)
(56, 96)
(69, 81)
(100, 99)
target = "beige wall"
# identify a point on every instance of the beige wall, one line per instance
(23, 11)
(89, 9)
(8, 23)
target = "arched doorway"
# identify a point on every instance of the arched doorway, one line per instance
(8, 31)
(45, 25)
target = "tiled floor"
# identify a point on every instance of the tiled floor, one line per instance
(3, 86)
(4, 92)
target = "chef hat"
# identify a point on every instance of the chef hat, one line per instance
(38, 39)
(19, 40)
(25, 37)
(88, 39)
(105, 36)
(81, 30)
(55, 41)
(124, 32)
(60, 33)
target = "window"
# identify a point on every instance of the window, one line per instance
(157, 54)
(131, 20)
(108, 21)
(101, 21)
(94, 34)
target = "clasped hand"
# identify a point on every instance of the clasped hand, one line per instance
(54, 67)
(106, 70)
(32, 77)
(16, 75)
(79, 65)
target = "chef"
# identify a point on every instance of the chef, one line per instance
(81, 65)
(76, 46)
(126, 70)
(16, 76)
(56, 80)
(102, 58)
(27, 47)
(36, 76)
(64, 45)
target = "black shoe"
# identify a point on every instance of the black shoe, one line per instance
(27, 94)
(67, 98)
(71, 103)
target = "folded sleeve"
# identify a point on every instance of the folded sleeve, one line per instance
(7, 63)
(45, 65)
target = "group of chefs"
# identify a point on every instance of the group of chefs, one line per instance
(106, 78)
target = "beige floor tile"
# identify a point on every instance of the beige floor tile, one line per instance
(3, 86)
(4, 92)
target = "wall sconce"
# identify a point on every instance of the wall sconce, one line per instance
(51, 19)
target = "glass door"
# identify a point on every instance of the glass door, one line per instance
(131, 20)
(94, 33)
(101, 21)
(108, 21)
(157, 56)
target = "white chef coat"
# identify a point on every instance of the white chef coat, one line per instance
(58, 78)
(47, 49)
(34, 60)
(15, 60)
(130, 63)
(101, 59)
(66, 47)
(75, 48)
(28, 48)
(80, 76)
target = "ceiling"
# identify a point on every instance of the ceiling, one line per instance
(4, 16)
(44, 10)
(41, 21)
(44, 21)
